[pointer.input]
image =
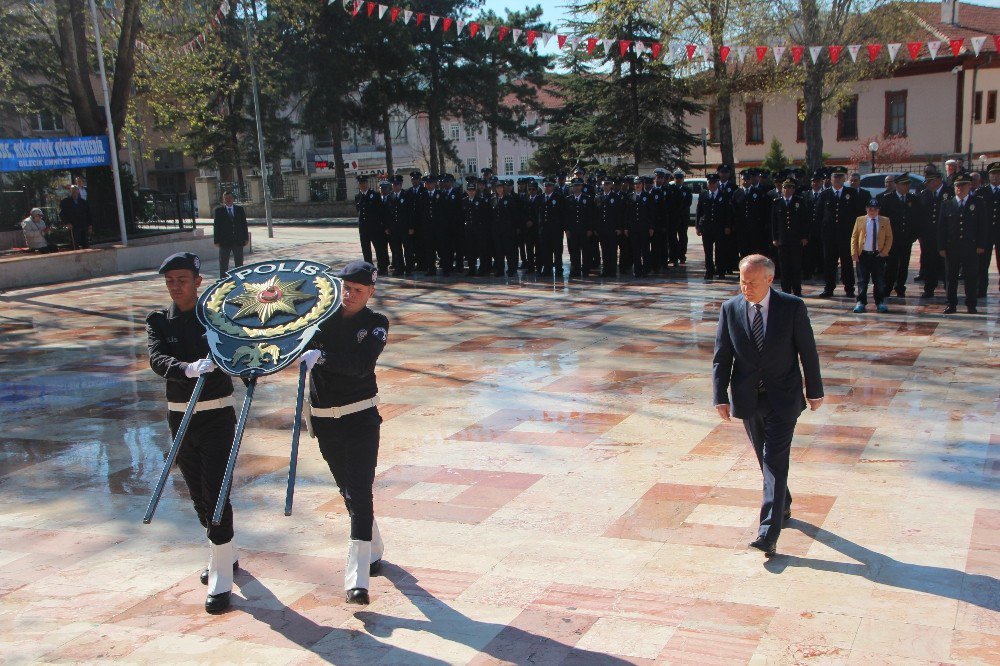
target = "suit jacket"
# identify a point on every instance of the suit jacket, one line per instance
(230, 231)
(907, 219)
(738, 367)
(932, 212)
(992, 209)
(76, 215)
(838, 214)
(965, 229)
(860, 236)
(789, 224)
(714, 216)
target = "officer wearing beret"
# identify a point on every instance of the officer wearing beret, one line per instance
(343, 397)
(991, 195)
(371, 225)
(935, 193)
(713, 223)
(178, 352)
(841, 207)
(963, 234)
(789, 234)
(550, 230)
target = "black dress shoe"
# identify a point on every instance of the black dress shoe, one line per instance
(927, 294)
(850, 293)
(217, 603)
(827, 293)
(951, 309)
(375, 567)
(358, 596)
(901, 293)
(763, 545)
(972, 309)
(204, 574)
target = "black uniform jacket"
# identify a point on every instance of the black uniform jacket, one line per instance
(175, 339)
(351, 347)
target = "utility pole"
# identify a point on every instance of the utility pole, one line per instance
(256, 113)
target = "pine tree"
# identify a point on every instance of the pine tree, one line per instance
(776, 160)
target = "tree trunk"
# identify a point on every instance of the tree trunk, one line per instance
(723, 95)
(337, 132)
(633, 95)
(491, 132)
(387, 138)
(812, 96)
(433, 126)
(71, 24)
(124, 66)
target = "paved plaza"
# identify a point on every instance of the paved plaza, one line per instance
(554, 487)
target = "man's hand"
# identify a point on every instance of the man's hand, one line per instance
(775, 244)
(814, 403)
(310, 357)
(805, 241)
(411, 232)
(246, 242)
(728, 231)
(943, 253)
(651, 231)
(200, 367)
(723, 411)
(980, 250)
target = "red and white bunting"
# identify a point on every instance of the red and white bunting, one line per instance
(742, 52)
(873, 51)
(893, 50)
(446, 24)
(956, 46)
(434, 21)
(797, 52)
(382, 9)
(854, 50)
(487, 30)
(407, 15)
(778, 51)
(459, 26)
(814, 52)
(607, 44)
(977, 44)
(835, 50)
(934, 46)
(515, 34)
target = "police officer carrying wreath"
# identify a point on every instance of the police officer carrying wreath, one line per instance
(178, 352)
(343, 395)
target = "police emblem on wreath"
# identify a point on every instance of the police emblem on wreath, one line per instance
(260, 317)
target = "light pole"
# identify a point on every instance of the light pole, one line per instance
(873, 147)
(982, 162)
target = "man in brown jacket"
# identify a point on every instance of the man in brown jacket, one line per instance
(870, 244)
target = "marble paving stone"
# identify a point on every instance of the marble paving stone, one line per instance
(554, 487)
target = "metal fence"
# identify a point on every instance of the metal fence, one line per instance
(283, 189)
(241, 191)
(165, 212)
(908, 167)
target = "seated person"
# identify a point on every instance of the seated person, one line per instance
(36, 231)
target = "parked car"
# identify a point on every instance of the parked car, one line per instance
(697, 185)
(874, 183)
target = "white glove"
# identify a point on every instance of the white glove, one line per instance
(200, 367)
(310, 357)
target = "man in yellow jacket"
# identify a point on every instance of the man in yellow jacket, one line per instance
(870, 244)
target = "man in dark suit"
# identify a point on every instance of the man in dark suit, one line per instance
(963, 235)
(841, 207)
(931, 263)
(762, 337)
(906, 213)
(230, 232)
(75, 212)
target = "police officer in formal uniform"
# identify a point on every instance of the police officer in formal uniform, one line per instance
(453, 195)
(370, 224)
(660, 209)
(402, 204)
(907, 215)
(639, 227)
(680, 218)
(343, 395)
(417, 195)
(550, 230)
(476, 223)
(934, 194)
(963, 234)
(608, 223)
(991, 195)
(812, 254)
(435, 222)
(579, 228)
(529, 233)
(841, 206)
(505, 227)
(178, 352)
(713, 222)
(790, 235)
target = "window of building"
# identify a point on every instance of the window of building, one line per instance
(397, 128)
(755, 122)
(522, 166)
(847, 121)
(991, 106)
(713, 125)
(454, 131)
(470, 133)
(800, 121)
(977, 108)
(895, 113)
(46, 121)
(508, 165)
(472, 166)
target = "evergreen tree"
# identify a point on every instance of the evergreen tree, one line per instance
(775, 160)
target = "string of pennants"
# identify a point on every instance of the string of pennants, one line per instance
(213, 26)
(672, 50)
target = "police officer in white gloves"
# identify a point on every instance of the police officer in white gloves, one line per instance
(345, 418)
(178, 352)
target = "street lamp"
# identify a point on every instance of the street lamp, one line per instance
(873, 147)
(982, 162)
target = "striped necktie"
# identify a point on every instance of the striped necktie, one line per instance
(757, 327)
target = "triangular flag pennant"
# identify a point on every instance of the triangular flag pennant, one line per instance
(591, 45)
(797, 52)
(446, 23)
(996, 42)
(691, 49)
(655, 47)
(977, 44)
(394, 14)
(459, 25)
(741, 53)
(835, 53)
(574, 41)
(515, 34)
(502, 32)
(487, 30)
(623, 45)
(530, 36)
(854, 50)
(639, 47)
(893, 50)
(407, 15)
(724, 52)
(546, 38)
(761, 51)
(814, 52)
(420, 18)
(371, 7)
(778, 52)
(607, 44)
(434, 21)
(225, 6)
(934, 47)
(707, 51)
(382, 9)
(561, 39)
(956, 46)
(873, 51)
(914, 49)
(358, 4)
(473, 28)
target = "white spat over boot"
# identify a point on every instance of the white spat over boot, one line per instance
(378, 548)
(220, 577)
(359, 557)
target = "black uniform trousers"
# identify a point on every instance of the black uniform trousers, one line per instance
(642, 252)
(350, 448)
(202, 459)
(579, 251)
(529, 241)
(931, 262)
(402, 250)
(984, 266)
(871, 268)
(437, 243)
(549, 250)
(609, 253)
(837, 250)
(966, 261)
(897, 266)
(771, 436)
(376, 236)
(224, 252)
(790, 261)
(624, 253)
(714, 253)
